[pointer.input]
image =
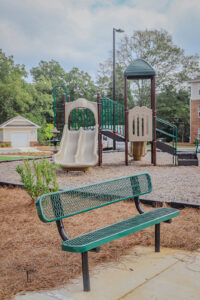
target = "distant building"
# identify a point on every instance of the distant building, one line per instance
(195, 109)
(18, 132)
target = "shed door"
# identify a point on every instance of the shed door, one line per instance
(20, 139)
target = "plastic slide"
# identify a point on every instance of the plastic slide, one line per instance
(78, 148)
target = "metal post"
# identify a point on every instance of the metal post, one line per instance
(114, 95)
(54, 106)
(114, 64)
(99, 129)
(153, 107)
(54, 100)
(157, 237)
(126, 120)
(114, 142)
(68, 100)
(85, 270)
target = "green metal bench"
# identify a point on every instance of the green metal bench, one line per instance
(63, 204)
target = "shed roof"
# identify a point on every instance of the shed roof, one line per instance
(19, 121)
(139, 68)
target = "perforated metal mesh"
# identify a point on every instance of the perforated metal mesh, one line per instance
(63, 204)
(98, 237)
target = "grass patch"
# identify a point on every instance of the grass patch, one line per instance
(23, 155)
(10, 157)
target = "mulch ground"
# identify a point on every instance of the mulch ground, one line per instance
(30, 251)
(27, 154)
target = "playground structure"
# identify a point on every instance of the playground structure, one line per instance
(112, 119)
(140, 69)
(139, 130)
(85, 124)
(78, 148)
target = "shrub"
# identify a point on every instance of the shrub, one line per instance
(38, 179)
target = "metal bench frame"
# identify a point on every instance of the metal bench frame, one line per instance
(56, 206)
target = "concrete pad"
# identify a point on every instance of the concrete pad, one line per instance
(142, 274)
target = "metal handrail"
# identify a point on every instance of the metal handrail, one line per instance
(197, 146)
(112, 114)
(164, 132)
(165, 122)
(173, 135)
(112, 117)
(114, 102)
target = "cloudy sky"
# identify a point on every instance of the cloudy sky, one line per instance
(78, 33)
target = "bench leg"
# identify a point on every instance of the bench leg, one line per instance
(85, 270)
(157, 238)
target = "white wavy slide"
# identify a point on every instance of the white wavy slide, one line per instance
(78, 148)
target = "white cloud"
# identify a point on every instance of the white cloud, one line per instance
(79, 33)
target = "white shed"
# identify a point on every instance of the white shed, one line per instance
(19, 132)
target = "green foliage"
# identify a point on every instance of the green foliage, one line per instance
(80, 85)
(48, 131)
(14, 97)
(50, 71)
(38, 178)
(47, 75)
(174, 107)
(172, 66)
(33, 101)
(105, 83)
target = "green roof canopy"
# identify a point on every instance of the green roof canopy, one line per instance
(139, 68)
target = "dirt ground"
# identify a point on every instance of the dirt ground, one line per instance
(30, 251)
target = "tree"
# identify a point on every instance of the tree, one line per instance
(174, 107)
(41, 111)
(104, 78)
(172, 66)
(15, 97)
(50, 74)
(51, 71)
(105, 83)
(18, 97)
(48, 131)
(80, 85)
(46, 76)
(43, 101)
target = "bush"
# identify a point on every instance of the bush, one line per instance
(38, 179)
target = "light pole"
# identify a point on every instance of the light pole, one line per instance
(120, 31)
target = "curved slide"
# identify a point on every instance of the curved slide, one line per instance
(78, 148)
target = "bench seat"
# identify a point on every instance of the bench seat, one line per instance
(54, 207)
(112, 232)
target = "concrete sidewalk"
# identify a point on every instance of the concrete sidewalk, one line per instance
(140, 275)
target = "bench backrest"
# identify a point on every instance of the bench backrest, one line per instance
(55, 206)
